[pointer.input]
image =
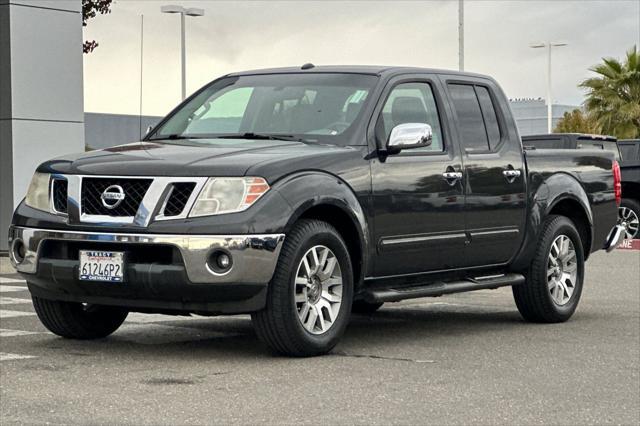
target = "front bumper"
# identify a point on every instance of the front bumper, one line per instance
(163, 273)
(254, 256)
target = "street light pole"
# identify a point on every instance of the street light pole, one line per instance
(548, 45)
(192, 11)
(461, 35)
(183, 57)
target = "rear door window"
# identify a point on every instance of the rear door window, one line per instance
(471, 126)
(490, 116)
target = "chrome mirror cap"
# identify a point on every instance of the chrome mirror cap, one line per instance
(410, 135)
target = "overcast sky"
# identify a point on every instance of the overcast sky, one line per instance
(240, 35)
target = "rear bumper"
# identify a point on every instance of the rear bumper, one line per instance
(180, 281)
(615, 238)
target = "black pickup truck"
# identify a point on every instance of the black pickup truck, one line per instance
(626, 152)
(629, 212)
(301, 195)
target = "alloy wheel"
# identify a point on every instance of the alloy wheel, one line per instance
(318, 289)
(562, 270)
(630, 221)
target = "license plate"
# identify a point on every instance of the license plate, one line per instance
(101, 265)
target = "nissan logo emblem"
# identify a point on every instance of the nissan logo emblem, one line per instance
(112, 196)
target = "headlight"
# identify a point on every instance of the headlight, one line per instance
(38, 192)
(228, 195)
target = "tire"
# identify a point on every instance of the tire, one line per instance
(629, 217)
(362, 307)
(77, 321)
(287, 323)
(541, 300)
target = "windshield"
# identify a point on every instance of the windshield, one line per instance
(309, 107)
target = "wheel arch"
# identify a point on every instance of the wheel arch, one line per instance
(575, 211)
(560, 194)
(333, 201)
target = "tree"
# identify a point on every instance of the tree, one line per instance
(90, 9)
(577, 121)
(613, 97)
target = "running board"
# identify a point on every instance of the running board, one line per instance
(441, 288)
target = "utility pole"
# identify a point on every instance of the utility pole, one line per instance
(461, 35)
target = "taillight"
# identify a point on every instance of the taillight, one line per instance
(617, 182)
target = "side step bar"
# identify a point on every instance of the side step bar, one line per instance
(441, 288)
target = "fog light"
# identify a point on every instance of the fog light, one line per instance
(18, 250)
(224, 261)
(219, 262)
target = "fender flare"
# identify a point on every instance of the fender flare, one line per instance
(327, 190)
(554, 190)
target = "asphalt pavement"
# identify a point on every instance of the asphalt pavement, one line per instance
(460, 359)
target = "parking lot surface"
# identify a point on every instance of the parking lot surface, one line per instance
(459, 359)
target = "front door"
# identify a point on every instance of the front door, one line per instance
(494, 173)
(418, 214)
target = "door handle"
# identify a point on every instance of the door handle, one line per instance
(452, 177)
(511, 174)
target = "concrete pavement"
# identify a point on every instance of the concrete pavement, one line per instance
(460, 359)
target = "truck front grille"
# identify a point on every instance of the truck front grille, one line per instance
(93, 188)
(59, 195)
(178, 198)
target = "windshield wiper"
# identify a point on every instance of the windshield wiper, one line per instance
(173, 136)
(264, 136)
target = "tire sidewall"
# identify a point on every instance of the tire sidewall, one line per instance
(563, 226)
(330, 338)
(634, 205)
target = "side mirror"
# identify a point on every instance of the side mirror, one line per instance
(409, 135)
(149, 129)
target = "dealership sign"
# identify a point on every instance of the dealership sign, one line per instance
(630, 245)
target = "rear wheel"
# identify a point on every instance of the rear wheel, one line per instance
(554, 280)
(78, 320)
(629, 217)
(309, 297)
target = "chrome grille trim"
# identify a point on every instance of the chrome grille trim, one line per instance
(55, 181)
(149, 208)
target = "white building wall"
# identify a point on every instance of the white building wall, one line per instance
(41, 98)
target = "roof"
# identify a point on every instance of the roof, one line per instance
(356, 69)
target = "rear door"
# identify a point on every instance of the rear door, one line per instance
(494, 172)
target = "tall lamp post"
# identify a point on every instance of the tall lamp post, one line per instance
(548, 45)
(461, 35)
(183, 11)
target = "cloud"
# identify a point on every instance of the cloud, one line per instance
(243, 35)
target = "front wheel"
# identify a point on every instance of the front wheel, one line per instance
(554, 280)
(309, 297)
(78, 320)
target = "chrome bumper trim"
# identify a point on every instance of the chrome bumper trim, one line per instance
(254, 256)
(615, 238)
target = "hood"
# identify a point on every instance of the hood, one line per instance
(204, 157)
